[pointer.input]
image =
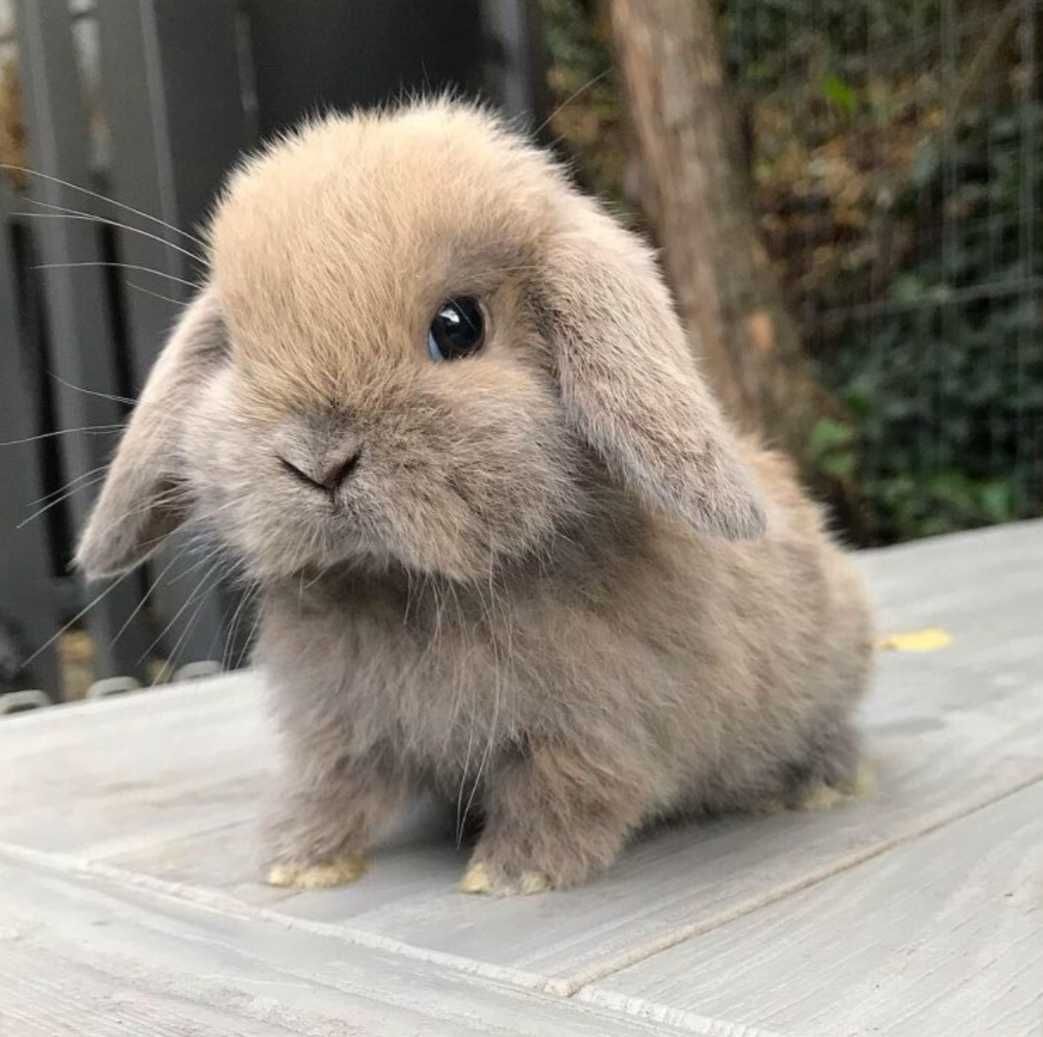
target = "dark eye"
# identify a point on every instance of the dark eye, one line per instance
(457, 330)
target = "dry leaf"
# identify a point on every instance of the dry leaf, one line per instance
(927, 640)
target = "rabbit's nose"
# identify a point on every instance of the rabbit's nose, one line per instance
(327, 473)
(337, 467)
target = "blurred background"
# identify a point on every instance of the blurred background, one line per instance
(845, 195)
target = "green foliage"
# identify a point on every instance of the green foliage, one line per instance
(832, 448)
(839, 93)
(946, 375)
(904, 220)
(906, 234)
(769, 42)
(576, 48)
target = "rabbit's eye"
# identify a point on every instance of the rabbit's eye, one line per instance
(457, 330)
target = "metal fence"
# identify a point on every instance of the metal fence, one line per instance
(896, 151)
(147, 103)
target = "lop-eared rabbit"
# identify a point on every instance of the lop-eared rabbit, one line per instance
(439, 407)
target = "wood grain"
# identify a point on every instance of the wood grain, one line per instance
(943, 936)
(137, 767)
(84, 956)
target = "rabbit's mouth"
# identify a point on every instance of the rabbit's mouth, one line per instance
(370, 508)
(323, 536)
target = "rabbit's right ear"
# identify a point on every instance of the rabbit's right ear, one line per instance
(142, 499)
(629, 381)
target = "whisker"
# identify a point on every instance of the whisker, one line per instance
(249, 602)
(174, 496)
(194, 618)
(144, 598)
(199, 519)
(498, 677)
(105, 198)
(177, 615)
(73, 215)
(252, 637)
(121, 266)
(72, 482)
(93, 392)
(233, 629)
(568, 100)
(97, 430)
(79, 615)
(156, 295)
(58, 500)
(208, 556)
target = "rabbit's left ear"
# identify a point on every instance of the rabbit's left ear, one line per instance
(140, 502)
(630, 385)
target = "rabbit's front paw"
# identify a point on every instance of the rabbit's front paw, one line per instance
(337, 871)
(480, 878)
(547, 826)
(508, 867)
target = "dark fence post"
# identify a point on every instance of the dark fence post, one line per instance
(27, 592)
(308, 56)
(80, 331)
(172, 95)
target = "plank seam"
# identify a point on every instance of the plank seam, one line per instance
(578, 983)
(225, 904)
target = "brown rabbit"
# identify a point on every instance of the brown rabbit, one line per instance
(440, 407)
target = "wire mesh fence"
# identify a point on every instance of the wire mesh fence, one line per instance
(897, 164)
(893, 148)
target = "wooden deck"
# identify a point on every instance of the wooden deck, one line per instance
(129, 902)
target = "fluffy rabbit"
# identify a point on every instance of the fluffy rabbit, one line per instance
(440, 407)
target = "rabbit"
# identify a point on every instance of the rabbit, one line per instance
(439, 406)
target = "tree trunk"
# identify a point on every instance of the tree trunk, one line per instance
(697, 197)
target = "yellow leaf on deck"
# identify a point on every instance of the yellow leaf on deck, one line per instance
(927, 640)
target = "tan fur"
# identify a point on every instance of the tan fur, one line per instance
(556, 588)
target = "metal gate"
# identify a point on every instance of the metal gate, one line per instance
(146, 103)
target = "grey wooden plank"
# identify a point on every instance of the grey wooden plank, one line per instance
(918, 581)
(417, 854)
(26, 592)
(142, 769)
(171, 90)
(83, 956)
(79, 325)
(950, 731)
(182, 802)
(942, 936)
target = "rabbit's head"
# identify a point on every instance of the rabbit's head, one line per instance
(418, 345)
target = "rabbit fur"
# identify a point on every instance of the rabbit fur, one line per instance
(558, 589)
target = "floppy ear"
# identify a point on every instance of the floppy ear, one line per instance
(140, 502)
(630, 384)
